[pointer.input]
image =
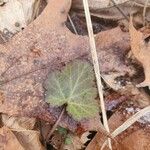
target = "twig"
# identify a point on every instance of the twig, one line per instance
(120, 10)
(56, 124)
(41, 133)
(72, 24)
(144, 11)
(96, 66)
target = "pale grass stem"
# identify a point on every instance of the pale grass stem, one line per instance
(96, 67)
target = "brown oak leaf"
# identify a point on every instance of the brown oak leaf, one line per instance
(47, 44)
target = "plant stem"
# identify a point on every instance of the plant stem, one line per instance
(72, 24)
(56, 124)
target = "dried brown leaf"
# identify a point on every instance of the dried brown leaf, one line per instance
(45, 45)
(74, 143)
(105, 9)
(16, 14)
(135, 137)
(21, 127)
(141, 51)
(29, 139)
(8, 140)
(18, 122)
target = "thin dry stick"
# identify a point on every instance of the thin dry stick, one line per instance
(56, 124)
(96, 65)
(144, 11)
(72, 24)
(120, 10)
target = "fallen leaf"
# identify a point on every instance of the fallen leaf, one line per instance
(131, 139)
(22, 129)
(73, 142)
(141, 51)
(96, 4)
(46, 44)
(16, 14)
(29, 139)
(84, 137)
(8, 140)
(105, 9)
(57, 139)
(18, 122)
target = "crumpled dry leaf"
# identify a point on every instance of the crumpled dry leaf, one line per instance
(18, 122)
(22, 128)
(57, 139)
(96, 4)
(46, 44)
(105, 9)
(135, 138)
(74, 143)
(16, 14)
(8, 140)
(29, 139)
(141, 51)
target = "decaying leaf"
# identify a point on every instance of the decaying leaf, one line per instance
(135, 138)
(16, 14)
(29, 139)
(75, 87)
(18, 122)
(46, 44)
(57, 140)
(105, 9)
(22, 128)
(73, 142)
(8, 140)
(141, 51)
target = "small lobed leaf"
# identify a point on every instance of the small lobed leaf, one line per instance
(74, 85)
(62, 131)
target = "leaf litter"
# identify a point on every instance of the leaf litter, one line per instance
(46, 46)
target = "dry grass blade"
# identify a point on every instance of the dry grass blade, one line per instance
(128, 123)
(120, 10)
(144, 11)
(96, 65)
(72, 24)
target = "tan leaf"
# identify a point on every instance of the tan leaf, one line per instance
(106, 9)
(21, 127)
(29, 139)
(74, 143)
(16, 14)
(134, 138)
(8, 140)
(18, 122)
(46, 44)
(141, 51)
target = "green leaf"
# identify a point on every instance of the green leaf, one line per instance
(74, 85)
(68, 141)
(62, 131)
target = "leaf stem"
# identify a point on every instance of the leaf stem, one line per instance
(56, 123)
